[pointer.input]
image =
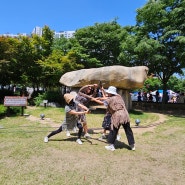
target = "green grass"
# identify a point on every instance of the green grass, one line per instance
(57, 115)
(26, 160)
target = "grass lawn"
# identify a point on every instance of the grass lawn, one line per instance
(25, 159)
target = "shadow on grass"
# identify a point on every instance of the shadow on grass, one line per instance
(136, 112)
(121, 145)
(118, 144)
(73, 139)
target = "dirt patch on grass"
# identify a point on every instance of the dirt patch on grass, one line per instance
(137, 129)
(43, 121)
(151, 126)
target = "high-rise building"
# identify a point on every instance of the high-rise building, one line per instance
(66, 34)
(13, 35)
(37, 31)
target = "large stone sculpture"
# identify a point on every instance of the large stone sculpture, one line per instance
(124, 78)
(119, 76)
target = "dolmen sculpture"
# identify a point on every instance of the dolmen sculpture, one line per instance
(124, 78)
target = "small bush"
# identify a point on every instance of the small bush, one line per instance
(2, 110)
(39, 99)
(51, 96)
(15, 110)
(54, 96)
(10, 111)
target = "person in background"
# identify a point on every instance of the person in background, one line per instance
(145, 98)
(139, 96)
(173, 99)
(166, 97)
(181, 98)
(150, 98)
(119, 116)
(157, 96)
(71, 118)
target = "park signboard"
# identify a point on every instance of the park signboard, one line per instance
(19, 101)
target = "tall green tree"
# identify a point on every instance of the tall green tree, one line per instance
(99, 44)
(47, 41)
(176, 84)
(55, 65)
(62, 45)
(8, 52)
(26, 71)
(42, 49)
(159, 38)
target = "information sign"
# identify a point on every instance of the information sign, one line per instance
(18, 101)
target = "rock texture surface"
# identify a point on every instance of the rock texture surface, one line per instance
(118, 76)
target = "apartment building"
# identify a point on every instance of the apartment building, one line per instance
(38, 31)
(13, 35)
(67, 34)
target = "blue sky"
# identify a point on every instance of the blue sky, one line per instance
(21, 16)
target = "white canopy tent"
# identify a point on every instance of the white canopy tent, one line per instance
(170, 93)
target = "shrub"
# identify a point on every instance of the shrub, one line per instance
(39, 99)
(2, 110)
(54, 96)
(51, 96)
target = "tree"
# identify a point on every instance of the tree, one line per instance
(152, 84)
(55, 65)
(159, 38)
(61, 44)
(99, 45)
(128, 56)
(176, 84)
(42, 49)
(5, 72)
(47, 41)
(8, 51)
